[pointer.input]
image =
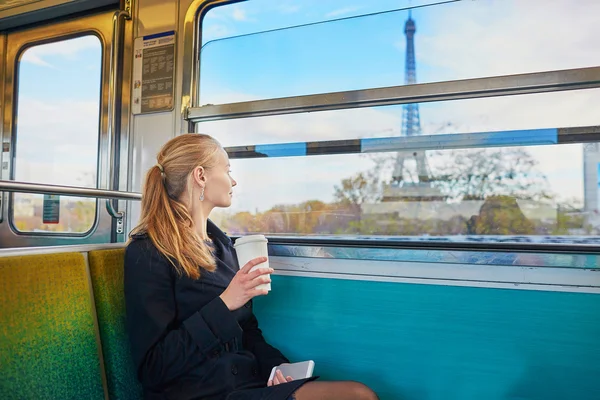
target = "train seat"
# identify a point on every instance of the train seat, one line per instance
(106, 267)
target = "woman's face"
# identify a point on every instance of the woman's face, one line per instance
(219, 183)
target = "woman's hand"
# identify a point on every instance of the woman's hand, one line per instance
(242, 287)
(279, 378)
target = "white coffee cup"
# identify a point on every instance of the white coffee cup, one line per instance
(249, 248)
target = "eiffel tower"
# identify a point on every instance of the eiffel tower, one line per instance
(419, 189)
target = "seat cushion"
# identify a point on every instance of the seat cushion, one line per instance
(48, 342)
(106, 268)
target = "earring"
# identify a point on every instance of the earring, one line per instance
(202, 195)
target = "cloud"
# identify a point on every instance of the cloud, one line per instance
(216, 14)
(326, 125)
(68, 49)
(222, 22)
(58, 172)
(263, 183)
(238, 14)
(505, 37)
(241, 15)
(288, 8)
(342, 11)
(57, 142)
(227, 96)
(215, 31)
(32, 58)
(235, 13)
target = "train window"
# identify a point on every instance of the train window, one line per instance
(57, 133)
(510, 168)
(262, 49)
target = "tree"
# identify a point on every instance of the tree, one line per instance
(500, 215)
(306, 217)
(501, 175)
(474, 174)
(350, 195)
(244, 222)
(364, 187)
(571, 216)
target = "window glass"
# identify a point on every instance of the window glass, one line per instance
(552, 186)
(500, 193)
(57, 133)
(262, 49)
(506, 113)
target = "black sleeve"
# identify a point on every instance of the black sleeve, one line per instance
(162, 350)
(266, 355)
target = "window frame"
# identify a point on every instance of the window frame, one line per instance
(99, 25)
(14, 136)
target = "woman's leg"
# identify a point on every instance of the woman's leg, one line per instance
(343, 390)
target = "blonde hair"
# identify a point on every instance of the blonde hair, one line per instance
(164, 217)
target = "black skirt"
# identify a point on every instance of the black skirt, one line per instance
(282, 391)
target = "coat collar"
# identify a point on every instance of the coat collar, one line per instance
(213, 231)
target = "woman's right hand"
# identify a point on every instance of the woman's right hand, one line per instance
(242, 287)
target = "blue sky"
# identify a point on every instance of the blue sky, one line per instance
(345, 54)
(69, 69)
(455, 40)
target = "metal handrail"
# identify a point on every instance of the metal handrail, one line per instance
(26, 187)
(112, 90)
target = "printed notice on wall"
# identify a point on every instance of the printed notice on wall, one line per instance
(153, 73)
(51, 209)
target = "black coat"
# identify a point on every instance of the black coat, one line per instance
(185, 343)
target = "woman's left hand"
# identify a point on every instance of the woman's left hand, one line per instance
(279, 378)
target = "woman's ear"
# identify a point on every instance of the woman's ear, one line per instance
(199, 176)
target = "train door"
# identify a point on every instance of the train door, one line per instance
(59, 127)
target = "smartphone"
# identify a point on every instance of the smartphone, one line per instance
(299, 370)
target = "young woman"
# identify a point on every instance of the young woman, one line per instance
(189, 305)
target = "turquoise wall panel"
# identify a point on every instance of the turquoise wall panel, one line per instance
(435, 342)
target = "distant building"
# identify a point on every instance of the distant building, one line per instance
(591, 183)
(419, 187)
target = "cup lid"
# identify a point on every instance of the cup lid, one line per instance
(249, 239)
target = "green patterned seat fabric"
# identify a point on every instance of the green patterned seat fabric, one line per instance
(106, 268)
(48, 345)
